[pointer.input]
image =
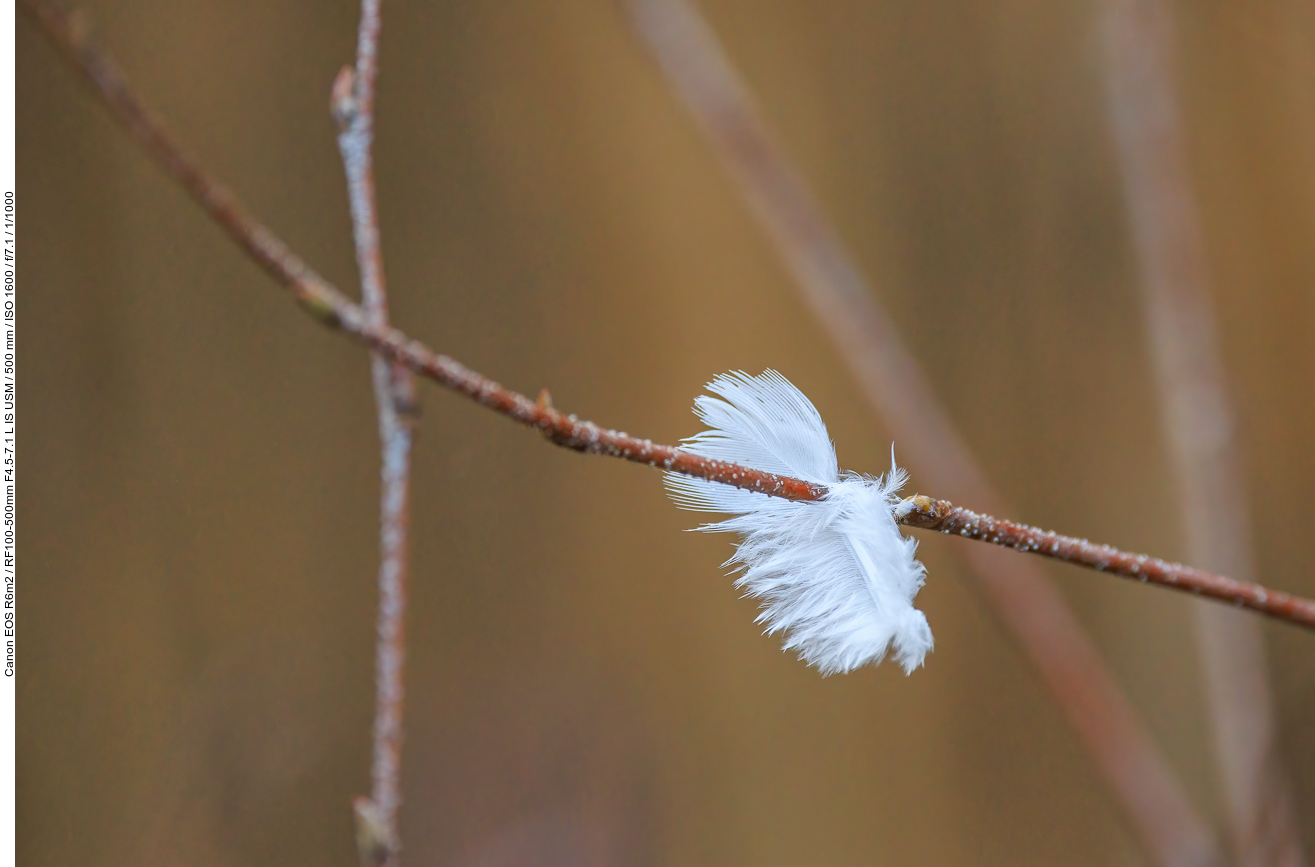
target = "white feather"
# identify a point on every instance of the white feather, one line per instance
(836, 576)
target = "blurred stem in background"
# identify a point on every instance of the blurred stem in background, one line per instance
(1141, 778)
(1197, 417)
(1146, 787)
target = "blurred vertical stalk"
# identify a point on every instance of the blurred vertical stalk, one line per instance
(1023, 598)
(394, 387)
(1198, 421)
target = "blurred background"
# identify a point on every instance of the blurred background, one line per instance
(200, 460)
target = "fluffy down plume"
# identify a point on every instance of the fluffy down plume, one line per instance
(836, 576)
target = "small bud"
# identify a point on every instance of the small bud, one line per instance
(342, 98)
(374, 842)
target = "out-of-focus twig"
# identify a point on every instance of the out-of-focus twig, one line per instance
(68, 30)
(334, 309)
(352, 104)
(1084, 690)
(1198, 421)
(697, 68)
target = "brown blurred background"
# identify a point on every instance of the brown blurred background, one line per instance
(200, 461)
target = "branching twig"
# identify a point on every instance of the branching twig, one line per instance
(327, 304)
(566, 430)
(331, 307)
(394, 389)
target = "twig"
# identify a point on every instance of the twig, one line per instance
(326, 303)
(1024, 599)
(1125, 756)
(68, 30)
(1197, 418)
(352, 104)
(929, 514)
(566, 430)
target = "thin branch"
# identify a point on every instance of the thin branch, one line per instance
(394, 388)
(566, 430)
(331, 307)
(699, 71)
(929, 514)
(68, 30)
(1197, 417)
(323, 301)
(1125, 750)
